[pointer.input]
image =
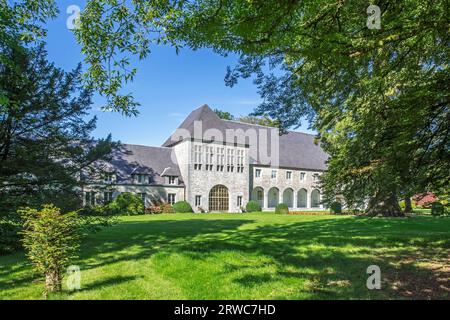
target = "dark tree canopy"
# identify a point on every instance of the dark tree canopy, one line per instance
(379, 98)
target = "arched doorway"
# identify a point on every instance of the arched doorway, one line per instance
(302, 198)
(219, 199)
(288, 197)
(258, 196)
(315, 199)
(274, 197)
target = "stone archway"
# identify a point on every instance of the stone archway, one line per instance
(302, 198)
(258, 195)
(273, 197)
(315, 199)
(219, 199)
(288, 197)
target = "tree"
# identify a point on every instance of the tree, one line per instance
(51, 240)
(263, 121)
(224, 114)
(379, 98)
(45, 140)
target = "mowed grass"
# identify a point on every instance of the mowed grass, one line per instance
(252, 256)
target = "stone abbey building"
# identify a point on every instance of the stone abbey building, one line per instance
(217, 165)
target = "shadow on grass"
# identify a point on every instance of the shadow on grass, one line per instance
(330, 255)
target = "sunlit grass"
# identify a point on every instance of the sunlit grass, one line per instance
(249, 256)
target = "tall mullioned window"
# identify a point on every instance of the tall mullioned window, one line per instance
(197, 157)
(240, 160)
(209, 158)
(257, 173)
(220, 158)
(198, 201)
(273, 175)
(230, 160)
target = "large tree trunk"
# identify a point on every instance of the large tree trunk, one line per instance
(384, 205)
(408, 205)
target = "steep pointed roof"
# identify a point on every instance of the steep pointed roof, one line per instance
(296, 149)
(206, 116)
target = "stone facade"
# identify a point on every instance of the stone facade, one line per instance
(220, 172)
(296, 188)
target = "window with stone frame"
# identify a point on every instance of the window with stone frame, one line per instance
(220, 158)
(171, 198)
(197, 157)
(239, 201)
(198, 201)
(209, 156)
(230, 160)
(288, 175)
(257, 173)
(273, 174)
(240, 161)
(302, 176)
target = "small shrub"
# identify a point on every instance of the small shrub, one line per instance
(282, 209)
(437, 209)
(51, 240)
(182, 207)
(336, 208)
(127, 204)
(253, 206)
(160, 207)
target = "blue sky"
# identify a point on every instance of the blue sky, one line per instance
(167, 85)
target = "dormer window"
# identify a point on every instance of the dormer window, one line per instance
(109, 177)
(140, 178)
(172, 180)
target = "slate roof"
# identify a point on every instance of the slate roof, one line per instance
(296, 149)
(131, 159)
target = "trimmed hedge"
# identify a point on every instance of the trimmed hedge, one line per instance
(282, 209)
(336, 207)
(437, 209)
(182, 207)
(253, 206)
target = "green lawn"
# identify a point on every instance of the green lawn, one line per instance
(252, 256)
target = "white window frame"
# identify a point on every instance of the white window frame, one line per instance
(169, 196)
(302, 176)
(109, 177)
(107, 196)
(273, 174)
(258, 173)
(288, 175)
(172, 180)
(198, 200)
